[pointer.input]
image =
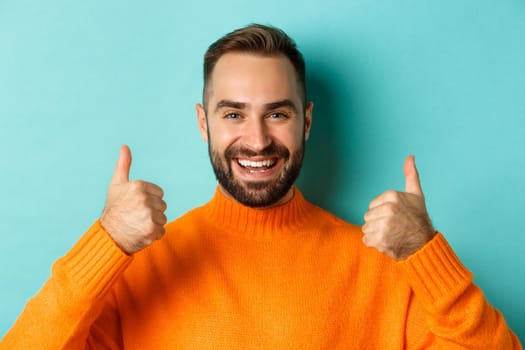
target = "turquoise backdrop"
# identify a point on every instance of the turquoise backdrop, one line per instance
(444, 80)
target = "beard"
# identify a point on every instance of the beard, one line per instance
(256, 194)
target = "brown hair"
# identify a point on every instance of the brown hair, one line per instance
(258, 39)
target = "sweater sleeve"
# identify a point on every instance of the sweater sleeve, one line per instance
(61, 314)
(455, 310)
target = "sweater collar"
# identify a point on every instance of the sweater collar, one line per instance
(234, 216)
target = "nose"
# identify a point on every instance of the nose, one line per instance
(256, 135)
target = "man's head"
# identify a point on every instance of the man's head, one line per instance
(254, 114)
(258, 40)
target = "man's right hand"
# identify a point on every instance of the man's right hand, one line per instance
(134, 211)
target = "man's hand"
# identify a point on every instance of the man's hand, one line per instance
(397, 223)
(134, 212)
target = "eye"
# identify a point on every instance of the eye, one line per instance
(232, 116)
(278, 115)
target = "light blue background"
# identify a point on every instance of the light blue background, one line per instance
(444, 80)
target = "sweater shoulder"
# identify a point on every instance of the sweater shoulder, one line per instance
(180, 250)
(330, 220)
(190, 218)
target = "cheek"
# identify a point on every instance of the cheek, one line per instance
(220, 140)
(292, 138)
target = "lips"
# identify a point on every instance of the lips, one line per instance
(256, 166)
(260, 164)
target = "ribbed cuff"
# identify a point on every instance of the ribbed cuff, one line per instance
(435, 272)
(94, 262)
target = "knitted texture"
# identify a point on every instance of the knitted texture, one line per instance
(227, 276)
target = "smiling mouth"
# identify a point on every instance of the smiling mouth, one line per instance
(257, 166)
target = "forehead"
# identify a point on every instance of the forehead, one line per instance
(253, 79)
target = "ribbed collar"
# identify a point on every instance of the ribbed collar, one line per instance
(235, 217)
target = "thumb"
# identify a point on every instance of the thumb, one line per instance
(121, 173)
(412, 183)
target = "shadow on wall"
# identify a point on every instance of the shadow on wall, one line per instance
(323, 179)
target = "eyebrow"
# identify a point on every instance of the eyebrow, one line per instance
(229, 104)
(269, 106)
(280, 104)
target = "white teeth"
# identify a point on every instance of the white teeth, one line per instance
(249, 163)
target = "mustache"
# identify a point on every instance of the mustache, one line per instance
(272, 149)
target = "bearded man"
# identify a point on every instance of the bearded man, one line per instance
(258, 266)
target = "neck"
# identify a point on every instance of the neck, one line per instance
(232, 216)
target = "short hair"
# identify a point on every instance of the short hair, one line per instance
(260, 40)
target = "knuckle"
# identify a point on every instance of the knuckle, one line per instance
(136, 185)
(154, 188)
(390, 208)
(392, 195)
(144, 199)
(151, 225)
(383, 226)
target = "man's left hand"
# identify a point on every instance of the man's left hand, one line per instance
(397, 223)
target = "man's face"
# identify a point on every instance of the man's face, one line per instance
(255, 125)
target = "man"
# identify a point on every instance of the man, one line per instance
(258, 266)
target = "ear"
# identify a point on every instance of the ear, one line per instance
(201, 121)
(308, 119)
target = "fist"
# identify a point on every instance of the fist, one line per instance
(397, 223)
(134, 211)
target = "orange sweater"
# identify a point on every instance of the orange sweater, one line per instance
(230, 277)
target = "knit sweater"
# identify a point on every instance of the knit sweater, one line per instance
(226, 276)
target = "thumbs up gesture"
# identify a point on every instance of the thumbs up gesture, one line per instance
(397, 223)
(134, 212)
